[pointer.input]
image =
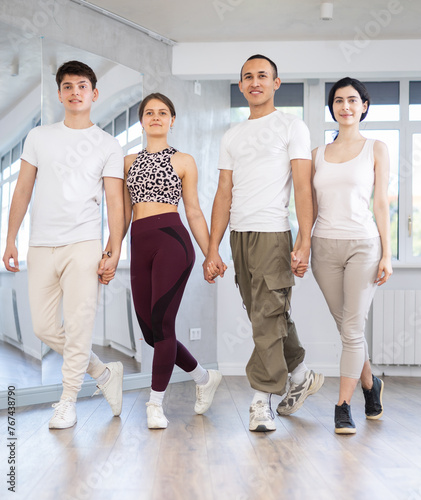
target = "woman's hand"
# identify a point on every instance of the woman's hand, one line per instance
(385, 271)
(213, 271)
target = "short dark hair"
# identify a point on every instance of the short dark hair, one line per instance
(75, 68)
(349, 82)
(259, 56)
(160, 97)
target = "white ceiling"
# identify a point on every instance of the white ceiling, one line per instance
(184, 21)
(269, 20)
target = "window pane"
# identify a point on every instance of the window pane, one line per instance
(120, 130)
(108, 128)
(134, 149)
(133, 114)
(135, 131)
(384, 97)
(391, 139)
(15, 167)
(416, 195)
(16, 153)
(376, 113)
(415, 112)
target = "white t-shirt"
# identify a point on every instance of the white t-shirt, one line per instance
(343, 192)
(71, 164)
(259, 153)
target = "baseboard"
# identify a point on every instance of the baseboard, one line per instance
(52, 393)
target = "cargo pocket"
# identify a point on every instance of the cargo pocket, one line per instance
(278, 292)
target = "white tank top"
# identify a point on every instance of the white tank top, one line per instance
(343, 193)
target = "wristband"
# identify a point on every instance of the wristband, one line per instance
(106, 254)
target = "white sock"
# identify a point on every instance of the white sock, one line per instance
(260, 396)
(156, 397)
(104, 377)
(299, 374)
(200, 375)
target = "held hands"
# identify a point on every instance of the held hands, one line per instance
(11, 253)
(299, 262)
(385, 271)
(106, 269)
(213, 267)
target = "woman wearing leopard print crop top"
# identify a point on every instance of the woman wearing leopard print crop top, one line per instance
(162, 255)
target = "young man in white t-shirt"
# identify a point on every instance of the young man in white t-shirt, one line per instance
(258, 161)
(70, 163)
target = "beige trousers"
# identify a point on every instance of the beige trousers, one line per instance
(66, 276)
(345, 271)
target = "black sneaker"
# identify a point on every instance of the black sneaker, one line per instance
(373, 399)
(343, 420)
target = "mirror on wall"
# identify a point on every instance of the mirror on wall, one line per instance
(28, 97)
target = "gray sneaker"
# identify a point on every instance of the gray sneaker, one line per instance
(262, 418)
(297, 393)
(113, 388)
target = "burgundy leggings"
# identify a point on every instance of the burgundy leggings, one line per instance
(162, 257)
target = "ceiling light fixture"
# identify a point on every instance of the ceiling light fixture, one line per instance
(326, 11)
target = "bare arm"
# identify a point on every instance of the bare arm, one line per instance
(301, 175)
(220, 219)
(381, 209)
(18, 208)
(128, 209)
(115, 210)
(194, 213)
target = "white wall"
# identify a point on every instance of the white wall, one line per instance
(315, 59)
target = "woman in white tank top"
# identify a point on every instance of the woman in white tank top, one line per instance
(351, 253)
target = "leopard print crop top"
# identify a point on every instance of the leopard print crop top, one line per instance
(152, 178)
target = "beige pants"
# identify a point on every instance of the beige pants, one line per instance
(66, 275)
(263, 275)
(345, 271)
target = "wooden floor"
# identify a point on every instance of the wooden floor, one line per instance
(214, 456)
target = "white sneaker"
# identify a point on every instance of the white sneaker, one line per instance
(64, 414)
(155, 416)
(206, 392)
(262, 418)
(297, 393)
(113, 388)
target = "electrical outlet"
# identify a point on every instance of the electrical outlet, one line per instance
(195, 333)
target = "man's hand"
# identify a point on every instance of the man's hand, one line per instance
(11, 253)
(106, 269)
(299, 262)
(213, 267)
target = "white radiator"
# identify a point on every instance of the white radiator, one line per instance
(397, 327)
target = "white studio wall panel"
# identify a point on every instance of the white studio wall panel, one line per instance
(300, 59)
